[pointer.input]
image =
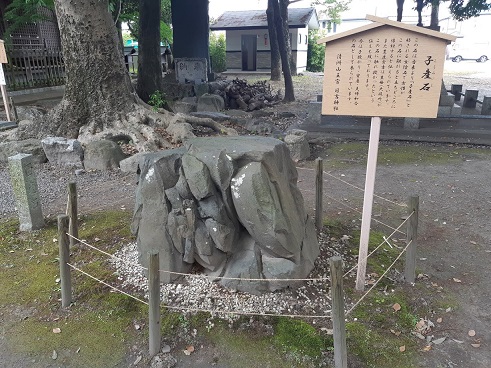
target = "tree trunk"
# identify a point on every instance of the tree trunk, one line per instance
(284, 17)
(97, 88)
(400, 5)
(283, 38)
(99, 100)
(435, 7)
(273, 43)
(149, 58)
(419, 9)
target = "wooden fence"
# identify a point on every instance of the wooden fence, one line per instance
(39, 66)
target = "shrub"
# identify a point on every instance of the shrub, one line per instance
(315, 52)
(217, 52)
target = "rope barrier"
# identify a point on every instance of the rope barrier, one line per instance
(104, 283)
(376, 282)
(354, 186)
(382, 243)
(195, 275)
(356, 210)
(212, 311)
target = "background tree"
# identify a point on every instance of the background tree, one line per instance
(332, 9)
(149, 58)
(273, 44)
(283, 38)
(130, 12)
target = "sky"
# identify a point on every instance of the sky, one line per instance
(358, 8)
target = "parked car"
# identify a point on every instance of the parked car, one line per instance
(461, 50)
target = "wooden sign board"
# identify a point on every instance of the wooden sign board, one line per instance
(386, 68)
(3, 54)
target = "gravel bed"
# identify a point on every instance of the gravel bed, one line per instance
(96, 189)
(197, 293)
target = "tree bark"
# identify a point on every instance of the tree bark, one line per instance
(273, 43)
(419, 9)
(98, 88)
(400, 6)
(284, 17)
(149, 58)
(435, 7)
(283, 38)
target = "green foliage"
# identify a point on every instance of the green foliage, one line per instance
(332, 9)
(130, 15)
(20, 12)
(315, 52)
(298, 337)
(157, 100)
(217, 52)
(472, 8)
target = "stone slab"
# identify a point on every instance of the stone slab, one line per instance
(26, 192)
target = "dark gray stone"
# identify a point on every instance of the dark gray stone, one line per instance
(64, 152)
(102, 155)
(243, 216)
(297, 143)
(29, 146)
(209, 102)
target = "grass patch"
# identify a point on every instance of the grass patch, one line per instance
(98, 325)
(343, 155)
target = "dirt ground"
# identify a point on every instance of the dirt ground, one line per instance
(454, 245)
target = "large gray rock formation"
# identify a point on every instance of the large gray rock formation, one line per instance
(102, 155)
(62, 151)
(230, 204)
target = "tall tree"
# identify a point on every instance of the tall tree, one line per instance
(273, 43)
(284, 19)
(149, 59)
(332, 9)
(283, 37)
(400, 7)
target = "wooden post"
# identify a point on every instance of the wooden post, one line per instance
(456, 90)
(73, 212)
(153, 304)
(412, 232)
(338, 323)
(64, 255)
(3, 83)
(368, 202)
(318, 194)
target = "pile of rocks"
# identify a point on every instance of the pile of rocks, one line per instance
(232, 205)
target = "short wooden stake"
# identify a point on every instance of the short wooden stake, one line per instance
(73, 212)
(470, 98)
(319, 220)
(456, 90)
(412, 232)
(153, 304)
(338, 317)
(14, 109)
(64, 255)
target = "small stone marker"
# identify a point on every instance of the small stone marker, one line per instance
(26, 192)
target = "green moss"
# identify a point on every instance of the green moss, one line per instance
(298, 337)
(99, 322)
(378, 350)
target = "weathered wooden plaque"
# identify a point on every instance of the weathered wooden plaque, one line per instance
(3, 54)
(384, 69)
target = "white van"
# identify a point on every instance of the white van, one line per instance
(462, 50)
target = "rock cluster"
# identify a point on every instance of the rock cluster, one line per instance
(230, 204)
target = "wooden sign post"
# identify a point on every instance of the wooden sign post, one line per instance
(3, 83)
(388, 69)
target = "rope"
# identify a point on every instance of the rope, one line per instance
(191, 274)
(354, 186)
(356, 210)
(247, 313)
(110, 286)
(386, 240)
(376, 282)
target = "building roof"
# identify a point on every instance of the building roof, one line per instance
(379, 22)
(254, 19)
